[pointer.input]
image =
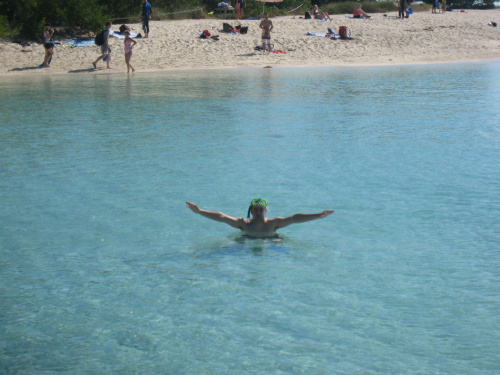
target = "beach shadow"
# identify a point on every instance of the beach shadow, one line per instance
(25, 69)
(248, 54)
(89, 70)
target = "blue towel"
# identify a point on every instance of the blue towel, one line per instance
(80, 42)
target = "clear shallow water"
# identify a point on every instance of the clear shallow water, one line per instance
(104, 270)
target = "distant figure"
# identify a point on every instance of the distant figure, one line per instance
(358, 13)
(435, 6)
(105, 49)
(146, 11)
(239, 6)
(266, 25)
(443, 5)
(48, 45)
(402, 9)
(319, 16)
(129, 43)
(258, 225)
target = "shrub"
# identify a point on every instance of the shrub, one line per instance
(347, 7)
(5, 29)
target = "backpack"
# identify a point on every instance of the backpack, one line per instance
(227, 27)
(205, 34)
(99, 39)
(307, 16)
(344, 32)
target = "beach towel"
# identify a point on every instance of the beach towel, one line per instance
(80, 42)
(325, 35)
(317, 34)
(357, 18)
(117, 34)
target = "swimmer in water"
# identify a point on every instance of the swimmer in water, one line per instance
(258, 225)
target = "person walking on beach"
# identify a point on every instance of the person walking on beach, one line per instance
(105, 49)
(129, 44)
(239, 6)
(258, 225)
(266, 25)
(146, 11)
(48, 45)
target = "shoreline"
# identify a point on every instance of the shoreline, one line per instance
(423, 39)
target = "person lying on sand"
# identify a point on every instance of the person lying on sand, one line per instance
(258, 225)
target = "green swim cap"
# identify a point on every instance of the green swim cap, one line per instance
(256, 202)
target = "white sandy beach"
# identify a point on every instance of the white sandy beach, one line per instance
(383, 40)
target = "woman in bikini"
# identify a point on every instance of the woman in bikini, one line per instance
(319, 16)
(48, 45)
(129, 43)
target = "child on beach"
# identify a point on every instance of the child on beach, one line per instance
(129, 44)
(266, 25)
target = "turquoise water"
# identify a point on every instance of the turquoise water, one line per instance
(104, 270)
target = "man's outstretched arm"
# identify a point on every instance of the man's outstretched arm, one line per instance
(282, 222)
(213, 215)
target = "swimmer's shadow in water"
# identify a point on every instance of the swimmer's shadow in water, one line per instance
(135, 340)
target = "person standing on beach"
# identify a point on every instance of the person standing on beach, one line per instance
(129, 44)
(105, 49)
(146, 11)
(266, 25)
(402, 9)
(239, 6)
(258, 225)
(48, 45)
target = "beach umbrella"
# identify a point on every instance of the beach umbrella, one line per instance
(268, 1)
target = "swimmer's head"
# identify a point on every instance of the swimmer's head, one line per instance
(258, 207)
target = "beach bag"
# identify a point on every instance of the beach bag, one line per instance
(205, 34)
(99, 39)
(227, 27)
(307, 16)
(242, 29)
(344, 32)
(123, 28)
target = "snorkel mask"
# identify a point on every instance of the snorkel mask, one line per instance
(256, 202)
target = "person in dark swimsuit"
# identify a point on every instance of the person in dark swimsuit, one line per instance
(258, 225)
(48, 45)
(239, 6)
